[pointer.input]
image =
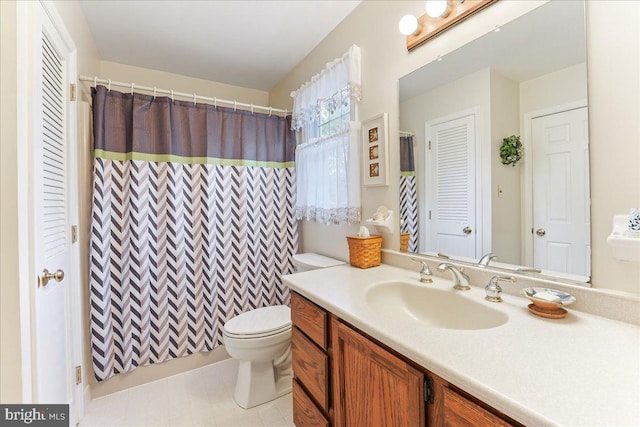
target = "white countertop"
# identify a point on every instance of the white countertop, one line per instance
(580, 370)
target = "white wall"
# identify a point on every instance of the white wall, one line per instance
(505, 210)
(10, 350)
(160, 79)
(558, 88)
(613, 43)
(613, 53)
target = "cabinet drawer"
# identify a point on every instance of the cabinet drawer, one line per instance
(310, 367)
(460, 411)
(311, 319)
(305, 412)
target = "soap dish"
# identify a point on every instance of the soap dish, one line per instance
(548, 302)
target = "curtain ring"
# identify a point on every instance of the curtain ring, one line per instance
(132, 85)
(109, 87)
(270, 111)
(215, 102)
(95, 81)
(154, 93)
(251, 108)
(171, 95)
(194, 100)
(235, 105)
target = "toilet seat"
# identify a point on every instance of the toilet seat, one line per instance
(262, 322)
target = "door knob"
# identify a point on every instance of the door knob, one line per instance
(466, 230)
(46, 276)
(540, 232)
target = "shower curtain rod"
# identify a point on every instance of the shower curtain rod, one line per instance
(405, 133)
(192, 96)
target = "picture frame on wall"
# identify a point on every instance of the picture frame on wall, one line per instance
(375, 149)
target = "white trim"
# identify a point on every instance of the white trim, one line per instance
(483, 184)
(526, 251)
(23, 18)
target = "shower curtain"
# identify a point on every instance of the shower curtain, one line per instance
(408, 193)
(192, 224)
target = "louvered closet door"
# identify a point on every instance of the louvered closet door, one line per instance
(452, 202)
(53, 373)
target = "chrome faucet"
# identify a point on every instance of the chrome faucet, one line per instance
(460, 279)
(493, 289)
(486, 259)
(425, 273)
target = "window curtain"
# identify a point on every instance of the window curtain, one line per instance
(408, 193)
(327, 167)
(192, 224)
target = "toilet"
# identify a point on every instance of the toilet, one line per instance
(260, 340)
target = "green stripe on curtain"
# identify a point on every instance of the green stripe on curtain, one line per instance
(156, 158)
(407, 173)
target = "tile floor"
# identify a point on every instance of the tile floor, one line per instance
(202, 397)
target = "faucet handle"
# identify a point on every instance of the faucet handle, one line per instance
(493, 289)
(425, 272)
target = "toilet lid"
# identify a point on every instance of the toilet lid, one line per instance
(316, 261)
(260, 322)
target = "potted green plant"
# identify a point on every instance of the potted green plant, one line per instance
(511, 150)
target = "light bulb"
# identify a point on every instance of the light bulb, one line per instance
(408, 25)
(436, 8)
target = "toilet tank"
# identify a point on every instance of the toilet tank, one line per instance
(311, 261)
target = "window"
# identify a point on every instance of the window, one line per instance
(327, 168)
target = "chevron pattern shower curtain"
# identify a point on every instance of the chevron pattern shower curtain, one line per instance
(192, 224)
(408, 193)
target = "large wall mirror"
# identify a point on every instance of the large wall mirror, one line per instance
(527, 80)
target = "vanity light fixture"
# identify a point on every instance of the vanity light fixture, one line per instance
(437, 8)
(440, 15)
(409, 25)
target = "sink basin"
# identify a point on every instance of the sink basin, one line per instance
(432, 307)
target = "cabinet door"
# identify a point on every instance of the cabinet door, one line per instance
(305, 413)
(372, 387)
(461, 412)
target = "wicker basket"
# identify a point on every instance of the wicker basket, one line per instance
(404, 242)
(364, 252)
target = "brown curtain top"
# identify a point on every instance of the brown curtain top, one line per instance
(139, 127)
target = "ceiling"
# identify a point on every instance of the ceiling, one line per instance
(549, 38)
(253, 44)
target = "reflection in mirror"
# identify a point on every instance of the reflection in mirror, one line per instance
(456, 196)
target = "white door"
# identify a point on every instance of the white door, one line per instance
(52, 68)
(561, 192)
(451, 210)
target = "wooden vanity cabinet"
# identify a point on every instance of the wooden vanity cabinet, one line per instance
(310, 363)
(372, 387)
(344, 378)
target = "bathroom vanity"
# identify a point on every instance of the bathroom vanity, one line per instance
(356, 364)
